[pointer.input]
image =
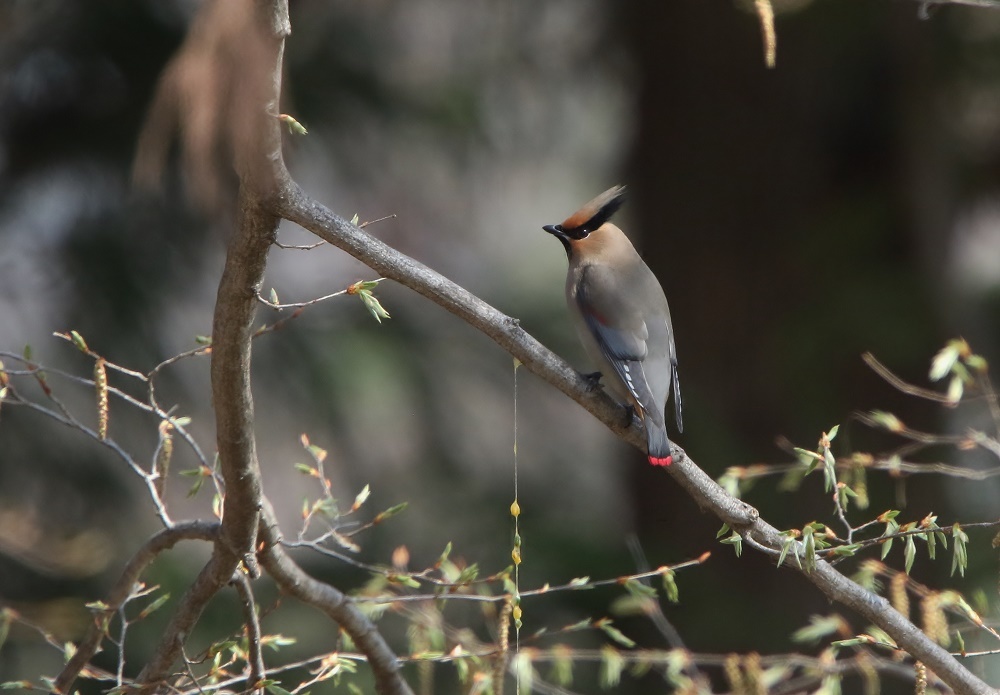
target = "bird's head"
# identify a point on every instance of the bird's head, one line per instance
(588, 219)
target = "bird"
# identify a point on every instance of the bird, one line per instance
(622, 318)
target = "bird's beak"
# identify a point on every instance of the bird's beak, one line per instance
(559, 233)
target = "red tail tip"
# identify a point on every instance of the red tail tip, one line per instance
(665, 461)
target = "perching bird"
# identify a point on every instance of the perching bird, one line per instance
(622, 316)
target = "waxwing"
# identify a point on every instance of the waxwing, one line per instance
(622, 317)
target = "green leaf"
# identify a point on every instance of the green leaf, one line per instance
(638, 589)
(887, 420)
(274, 297)
(829, 470)
(562, 667)
(786, 544)
(736, 541)
(155, 605)
(78, 341)
(832, 434)
(670, 586)
(809, 545)
(306, 469)
(524, 672)
(846, 550)
(612, 665)
(405, 580)
(891, 529)
(616, 634)
(960, 556)
(722, 531)
(845, 494)
(468, 574)
(445, 553)
(807, 455)
(390, 512)
(374, 307)
(294, 127)
(945, 359)
(956, 388)
(221, 647)
(819, 626)
(730, 482)
(361, 497)
(977, 362)
(829, 686)
(909, 553)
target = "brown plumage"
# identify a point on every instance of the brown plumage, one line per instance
(622, 316)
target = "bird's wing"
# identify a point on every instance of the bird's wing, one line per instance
(619, 330)
(675, 379)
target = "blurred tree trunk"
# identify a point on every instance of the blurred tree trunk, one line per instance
(773, 206)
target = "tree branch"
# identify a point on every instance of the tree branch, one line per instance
(295, 582)
(988, 4)
(229, 73)
(161, 541)
(297, 207)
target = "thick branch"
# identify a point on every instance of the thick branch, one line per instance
(295, 206)
(258, 161)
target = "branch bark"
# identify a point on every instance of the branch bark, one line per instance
(295, 206)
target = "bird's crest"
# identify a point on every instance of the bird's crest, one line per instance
(594, 214)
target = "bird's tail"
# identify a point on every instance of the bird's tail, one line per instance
(657, 443)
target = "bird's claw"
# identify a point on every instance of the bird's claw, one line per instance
(593, 380)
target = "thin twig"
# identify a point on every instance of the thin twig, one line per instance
(15, 399)
(254, 655)
(120, 592)
(271, 304)
(901, 385)
(985, 4)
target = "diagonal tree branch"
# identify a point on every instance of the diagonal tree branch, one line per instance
(295, 582)
(297, 207)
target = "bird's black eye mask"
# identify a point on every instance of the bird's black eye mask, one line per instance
(600, 217)
(582, 231)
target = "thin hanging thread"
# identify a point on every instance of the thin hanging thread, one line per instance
(515, 511)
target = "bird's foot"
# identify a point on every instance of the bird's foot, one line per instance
(631, 417)
(593, 380)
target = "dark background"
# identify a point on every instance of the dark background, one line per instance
(845, 201)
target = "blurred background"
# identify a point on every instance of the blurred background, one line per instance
(845, 201)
